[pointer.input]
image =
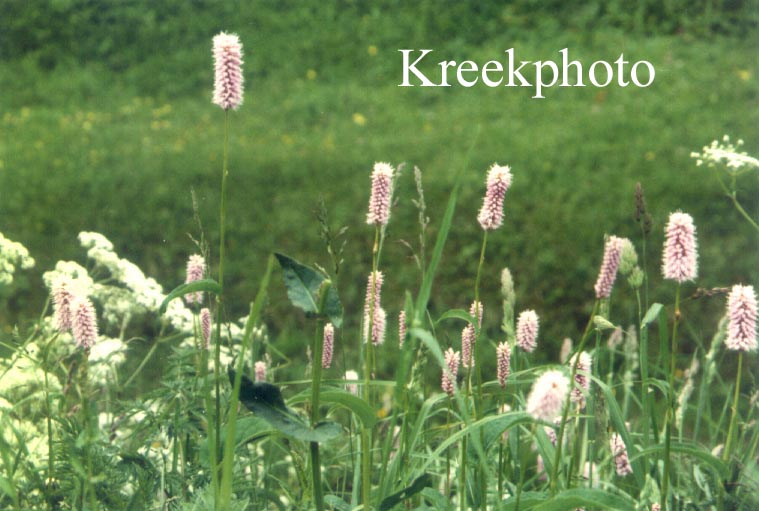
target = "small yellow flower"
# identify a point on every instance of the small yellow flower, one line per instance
(311, 74)
(372, 50)
(744, 75)
(359, 119)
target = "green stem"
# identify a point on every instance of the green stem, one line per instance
(478, 365)
(671, 405)
(316, 377)
(216, 446)
(87, 431)
(568, 400)
(743, 211)
(733, 419)
(643, 378)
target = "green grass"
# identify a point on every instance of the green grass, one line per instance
(85, 151)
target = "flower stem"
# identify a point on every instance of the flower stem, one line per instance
(731, 428)
(568, 400)
(316, 474)
(216, 445)
(671, 406)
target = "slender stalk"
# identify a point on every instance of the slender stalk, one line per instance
(643, 346)
(316, 475)
(478, 365)
(90, 490)
(216, 445)
(568, 401)
(671, 405)
(733, 419)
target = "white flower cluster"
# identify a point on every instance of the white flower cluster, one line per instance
(12, 255)
(725, 153)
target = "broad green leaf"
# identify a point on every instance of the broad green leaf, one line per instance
(198, 286)
(587, 497)
(303, 284)
(693, 450)
(456, 314)
(265, 400)
(651, 315)
(337, 503)
(415, 487)
(439, 502)
(355, 404)
(492, 430)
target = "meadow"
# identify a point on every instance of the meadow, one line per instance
(128, 145)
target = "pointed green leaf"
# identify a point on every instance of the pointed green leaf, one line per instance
(651, 314)
(303, 284)
(418, 485)
(199, 286)
(265, 400)
(355, 404)
(571, 499)
(456, 314)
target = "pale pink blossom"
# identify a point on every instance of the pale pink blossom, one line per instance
(527, 330)
(205, 326)
(503, 359)
(452, 360)
(62, 300)
(680, 261)
(467, 346)
(84, 324)
(382, 194)
(196, 269)
(741, 310)
(619, 451)
(547, 396)
(498, 181)
(228, 79)
(609, 266)
(401, 328)
(259, 370)
(582, 377)
(374, 315)
(328, 344)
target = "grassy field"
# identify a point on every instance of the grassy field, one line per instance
(85, 150)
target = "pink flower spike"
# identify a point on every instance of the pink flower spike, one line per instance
(609, 266)
(582, 377)
(476, 310)
(382, 193)
(328, 345)
(227, 55)
(196, 269)
(467, 346)
(205, 326)
(680, 262)
(491, 214)
(527, 330)
(84, 324)
(742, 312)
(547, 395)
(503, 357)
(401, 328)
(259, 369)
(619, 451)
(62, 300)
(452, 360)
(373, 291)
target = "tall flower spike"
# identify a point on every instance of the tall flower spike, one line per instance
(503, 357)
(527, 330)
(196, 269)
(680, 256)
(62, 300)
(491, 214)
(609, 267)
(401, 328)
(205, 326)
(382, 193)
(328, 345)
(227, 56)
(452, 359)
(741, 310)
(467, 346)
(547, 395)
(619, 451)
(582, 379)
(84, 324)
(373, 309)
(259, 369)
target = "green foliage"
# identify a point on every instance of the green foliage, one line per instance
(304, 286)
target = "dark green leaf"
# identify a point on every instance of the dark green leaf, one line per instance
(337, 503)
(199, 286)
(265, 400)
(571, 499)
(303, 284)
(355, 404)
(418, 485)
